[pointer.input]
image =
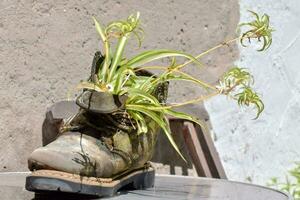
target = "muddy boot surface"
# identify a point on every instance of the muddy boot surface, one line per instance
(95, 151)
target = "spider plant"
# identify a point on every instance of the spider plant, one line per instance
(118, 75)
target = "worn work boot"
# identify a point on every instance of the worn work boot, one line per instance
(97, 151)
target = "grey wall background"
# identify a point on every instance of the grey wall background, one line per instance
(46, 48)
(256, 150)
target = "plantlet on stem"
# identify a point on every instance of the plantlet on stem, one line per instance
(260, 28)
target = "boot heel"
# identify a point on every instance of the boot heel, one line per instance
(144, 180)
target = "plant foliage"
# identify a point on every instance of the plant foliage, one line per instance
(259, 29)
(117, 74)
(291, 184)
(237, 82)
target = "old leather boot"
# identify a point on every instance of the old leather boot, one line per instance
(97, 150)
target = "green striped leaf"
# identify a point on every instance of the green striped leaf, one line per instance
(182, 115)
(99, 29)
(152, 55)
(136, 94)
(140, 121)
(158, 118)
(117, 57)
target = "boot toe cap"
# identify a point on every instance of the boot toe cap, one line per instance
(68, 154)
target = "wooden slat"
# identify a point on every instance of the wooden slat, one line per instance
(211, 154)
(209, 157)
(196, 152)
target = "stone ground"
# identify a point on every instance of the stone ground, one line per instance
(46, 48)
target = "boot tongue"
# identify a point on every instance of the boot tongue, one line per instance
(100, 102)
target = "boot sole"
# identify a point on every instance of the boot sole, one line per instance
(51, 181)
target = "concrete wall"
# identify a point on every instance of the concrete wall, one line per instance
(46, 48)
(255, 150)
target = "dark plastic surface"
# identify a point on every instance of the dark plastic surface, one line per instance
(166, 187)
